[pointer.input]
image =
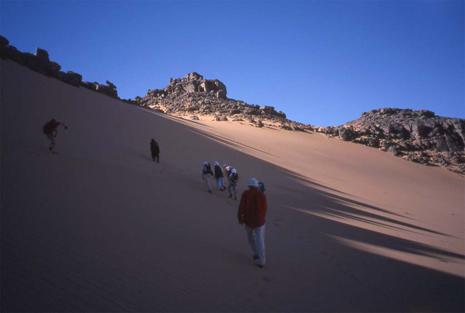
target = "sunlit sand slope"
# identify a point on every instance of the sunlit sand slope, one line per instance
(101, 227)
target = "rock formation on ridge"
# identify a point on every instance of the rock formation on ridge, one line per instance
(417, 136)
(40, 62)
(195, 95)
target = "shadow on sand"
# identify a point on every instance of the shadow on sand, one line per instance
(336, 219)
(347, 231)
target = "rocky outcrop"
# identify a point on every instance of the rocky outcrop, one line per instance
(109, 89)
(417, 136)
(40, 62)
(194, 83)
(71, 78)
(195, 95)
(346, 134)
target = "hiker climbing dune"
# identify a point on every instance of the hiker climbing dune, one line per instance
(219, 177)
(155, 150)
(50, 129)
(206, 174)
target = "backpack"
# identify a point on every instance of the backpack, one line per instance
(207, 169)
(261, 186)
(218, 171)
(234, 177)
(47, 128)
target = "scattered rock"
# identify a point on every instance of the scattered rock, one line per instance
(219, 118)
(71, 78)
(194, 94)
(346, 134)
(40, 62)
(420, 135)
(393, 150)
(251, 111)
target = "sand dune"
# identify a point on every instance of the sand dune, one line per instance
(101, 227)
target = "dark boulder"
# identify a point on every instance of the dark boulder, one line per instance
(91, 86)
(296, 127)
(420, 130)
(106, 90)
(454, 142)
(387, 111)
(285, 127)
(71, 78)
(425, 113)
(346, 134)
(54, 69)
(373, 142)
(42, 55)
(439, 143)
(43, 65)
(251, 111)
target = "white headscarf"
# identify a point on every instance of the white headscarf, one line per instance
(253, 182)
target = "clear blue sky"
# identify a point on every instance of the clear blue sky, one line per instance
(321, 62)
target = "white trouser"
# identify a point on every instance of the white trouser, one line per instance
(207, 179)
(256, 237)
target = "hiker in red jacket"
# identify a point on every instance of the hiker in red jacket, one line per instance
(252, 211)
(51, 131)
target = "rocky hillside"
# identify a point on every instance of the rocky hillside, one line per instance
(40, 62)
(195, 96)
(417, 136)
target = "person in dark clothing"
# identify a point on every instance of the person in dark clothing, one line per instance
(219, 176)
(155, 149)
(206, 174)
(51, 131)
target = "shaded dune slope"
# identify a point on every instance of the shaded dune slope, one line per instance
(100, 227)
